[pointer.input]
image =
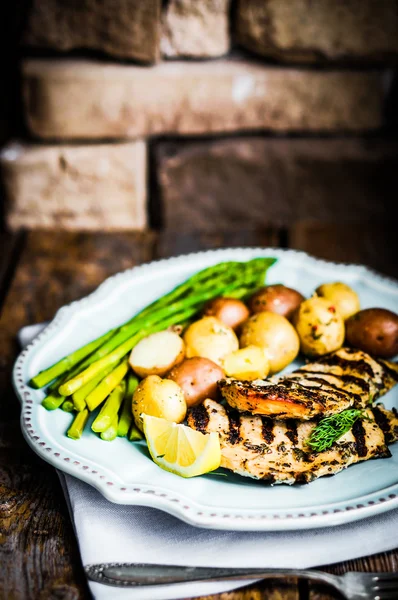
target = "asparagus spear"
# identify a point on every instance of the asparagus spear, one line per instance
(126, 415)
(107, 343)
(66, 363)
(53, 401)
(110, 409)
(130, 328)
(151, 326)
(114, 357)
(135, 434)
(67, 406)
(79, 422)
(107, 385)
(240, 274)
(111, 433)
(79, 397)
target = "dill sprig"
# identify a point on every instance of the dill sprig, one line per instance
(332, 428)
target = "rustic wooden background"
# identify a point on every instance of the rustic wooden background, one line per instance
(41, 271)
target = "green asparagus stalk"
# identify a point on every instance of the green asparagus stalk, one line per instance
(127, 330)
(68, 406)
(206, 275)
(156, 323)
(229, 277)
(126, 415)
(133, 326)
(53, 401)
(111, 433)
(79, 397)
(66, 363)
(114, 357)
(110, 409)
(135, 434)
(79, 422)
(107, 385)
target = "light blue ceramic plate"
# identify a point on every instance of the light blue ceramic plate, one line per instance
(124, 473)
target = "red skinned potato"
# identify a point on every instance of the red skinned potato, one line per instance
(276, 298)
(197, 377)
(374, 330)
(230, 311)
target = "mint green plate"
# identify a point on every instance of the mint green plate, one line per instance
(124, 473)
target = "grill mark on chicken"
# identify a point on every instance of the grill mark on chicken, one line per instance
(327, 384)
(200, 418)
(383, 421)
(300, 379)
(291, 433)
(358, 432)
(347, 378)
(234, 426)
(361, 366)
(267, 429)
(287, 460)
(391, 368)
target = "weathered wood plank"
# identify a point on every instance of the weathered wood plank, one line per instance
(39, 556)
(58, 267)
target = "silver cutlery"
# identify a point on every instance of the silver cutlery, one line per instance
(353, 585)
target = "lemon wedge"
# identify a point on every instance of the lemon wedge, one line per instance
(180, 449)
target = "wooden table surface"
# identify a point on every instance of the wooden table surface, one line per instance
(41, 271)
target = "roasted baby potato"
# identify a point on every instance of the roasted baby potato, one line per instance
(275, 335)
(158, 398)
(276, 298)
(319, 326)
(341, 296)
(247, 364)
(211, 339)
(197, 377)
(230, 311)
(374, 330)
(157, 354)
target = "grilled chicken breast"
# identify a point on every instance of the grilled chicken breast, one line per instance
(346, 378)
(275, 451)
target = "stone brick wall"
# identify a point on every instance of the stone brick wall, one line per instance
(231, 112)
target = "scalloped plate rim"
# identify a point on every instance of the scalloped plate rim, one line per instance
(153, 496)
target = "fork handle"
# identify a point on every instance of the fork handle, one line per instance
(130, 574)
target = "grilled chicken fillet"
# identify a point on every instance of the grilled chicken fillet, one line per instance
(346, 378)
(275, 451)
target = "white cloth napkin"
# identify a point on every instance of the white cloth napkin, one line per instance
(109, 532)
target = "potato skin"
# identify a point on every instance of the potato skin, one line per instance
(374, 330)
(197, 377)
(230, 311)
(276, 298)
(275, 335)
(342, 296)
(319, 326)
(158, 398)
(211, 339)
